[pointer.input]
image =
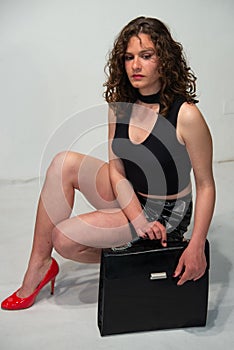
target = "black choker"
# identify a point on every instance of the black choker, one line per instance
(155, 98)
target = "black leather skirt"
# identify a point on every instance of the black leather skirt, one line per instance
(174, 214)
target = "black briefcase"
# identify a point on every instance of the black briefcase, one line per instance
(137, 290)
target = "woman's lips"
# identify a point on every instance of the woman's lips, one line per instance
(137, 76)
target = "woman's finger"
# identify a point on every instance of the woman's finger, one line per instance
(163, 234)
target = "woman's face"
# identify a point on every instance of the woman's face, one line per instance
(142, 63)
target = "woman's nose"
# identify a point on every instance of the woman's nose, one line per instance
(136, 65)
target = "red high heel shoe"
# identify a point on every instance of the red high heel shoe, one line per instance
(13, 302)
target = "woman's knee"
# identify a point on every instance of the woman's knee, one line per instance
(69, 249)
(61, 243)
(64, 164)
(64, 246)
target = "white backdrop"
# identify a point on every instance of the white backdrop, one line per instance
(52, 57)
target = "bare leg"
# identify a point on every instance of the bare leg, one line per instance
(67, 172)
(98, 229)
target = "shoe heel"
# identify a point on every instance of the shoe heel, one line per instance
(52, 286)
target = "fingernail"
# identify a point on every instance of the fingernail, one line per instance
(164, 241)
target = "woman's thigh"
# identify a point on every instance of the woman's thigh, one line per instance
(100, 229)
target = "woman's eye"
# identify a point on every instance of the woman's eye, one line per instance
(128, 58)
(146, 57)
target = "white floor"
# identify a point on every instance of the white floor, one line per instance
(67, 320)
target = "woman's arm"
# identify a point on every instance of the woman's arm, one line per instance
(126, 196)
(194, 132)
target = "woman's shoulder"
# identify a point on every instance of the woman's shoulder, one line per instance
(191, 123)
(120, 113)
(111, 115)
(189, 114)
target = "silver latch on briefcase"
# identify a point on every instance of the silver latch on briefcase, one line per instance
(158, 275)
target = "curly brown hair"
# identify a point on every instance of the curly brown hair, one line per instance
(177, 77)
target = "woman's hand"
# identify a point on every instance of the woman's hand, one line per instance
(192, 265)
(153, 230)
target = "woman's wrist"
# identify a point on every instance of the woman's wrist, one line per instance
(139, 222)
(198, 242)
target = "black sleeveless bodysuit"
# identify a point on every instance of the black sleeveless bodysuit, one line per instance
(160, 165)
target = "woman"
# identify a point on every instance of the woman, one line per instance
(156, 135)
